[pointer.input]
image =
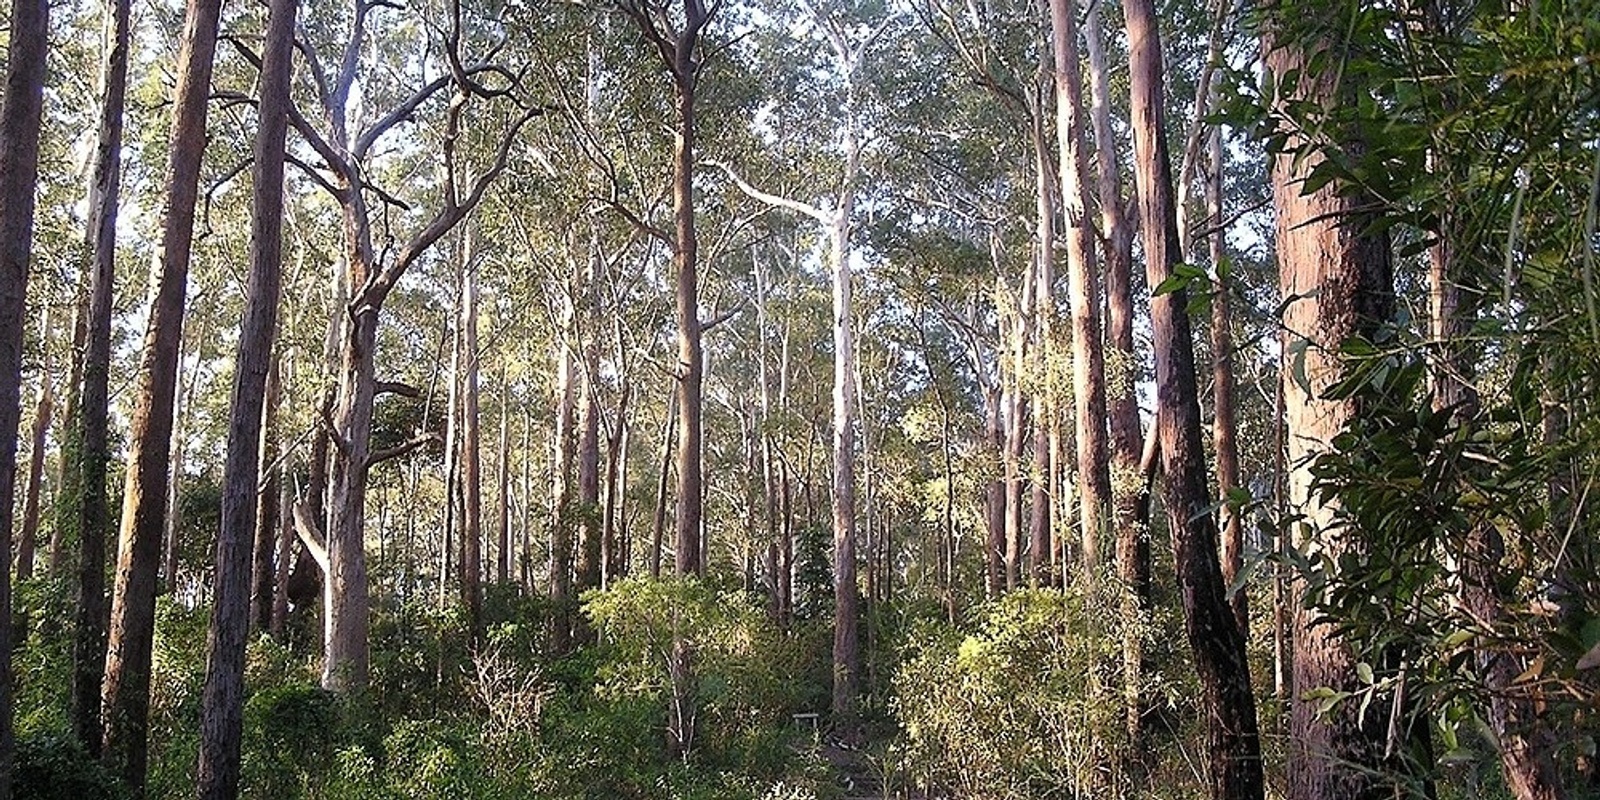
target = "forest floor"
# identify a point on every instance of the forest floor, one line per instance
(854, 770)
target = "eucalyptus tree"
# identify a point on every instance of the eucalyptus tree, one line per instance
(848, 33)
(1088, 358)
(126, 690)
(676, 38)
(21, 105)
(1216, 641)
(89, 641)
(222, 699)
(348, 151)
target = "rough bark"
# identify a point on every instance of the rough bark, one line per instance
(89, 640)
(43, 410)
(126, 691)
(222, 697)
(21, 105)
(1336, 283)
(1233, 746)
(263, 571)
(471, 448)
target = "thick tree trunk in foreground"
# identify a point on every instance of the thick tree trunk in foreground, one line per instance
(126, 691)
(20, 110)
(94, 515)
(222, 698)
(1336, 284)
(1233, 746)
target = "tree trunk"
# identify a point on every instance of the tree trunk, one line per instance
(20, 110)
(43, 410)
(471, 450)
(222, 698)
(1224, 425)
(94, 515)
(1045, 416)
(284, 558)
(1233, 746)
(1336, 283)
(589, 549)
(846, 644)
(1083, 291)
(503, 487)
(994, 501)
(669, 426)
(562, 496)
(126, 691)
(262, 569)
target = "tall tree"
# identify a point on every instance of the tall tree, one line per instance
(222, 697)
(94, 456)
(43, 409)
(370, 275)
(677, 43)
(1336, 283)
(1130, 513)
(1088, 359)
(126, 690)
(471, 441)
(21, 106)
(1233, 745)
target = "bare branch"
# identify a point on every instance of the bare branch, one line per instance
(824, 217)
(401, 449)
(310, 535)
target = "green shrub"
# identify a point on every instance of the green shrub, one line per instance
(1026, 706)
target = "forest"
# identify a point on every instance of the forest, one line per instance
(794, 400)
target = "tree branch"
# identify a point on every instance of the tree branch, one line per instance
(401, 449)
(824, 217)
(308, 530)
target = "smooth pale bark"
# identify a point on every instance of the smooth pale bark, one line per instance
(262, 569)
(126, 690)
(503, 488)
(1016, 425)
(589, 550)
(1232, 744)
(471, 450)
(563, 494)
(283, 559)
(1336, 283)
(20, 109)
(222, 697)
(994, 500)
(94, 457)
(1083, 290)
